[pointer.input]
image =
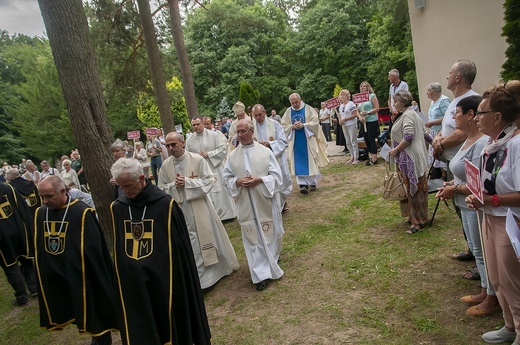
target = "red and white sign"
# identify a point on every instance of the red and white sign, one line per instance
(331, 103)
(133, 135)
(151, 131)
(361, 97)
(473, 180)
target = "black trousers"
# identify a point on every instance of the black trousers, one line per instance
(15, 276)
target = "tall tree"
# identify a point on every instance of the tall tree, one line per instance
(182, 55)
(156, 67)
(511, 30)
(74, 56)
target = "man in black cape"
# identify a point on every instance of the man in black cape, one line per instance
(160, 298)
(16, 233)
(73, 265)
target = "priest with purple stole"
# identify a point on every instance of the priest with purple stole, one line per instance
(307, 144)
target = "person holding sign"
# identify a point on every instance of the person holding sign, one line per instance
(500, 176)
(485, 302)
(368, 111)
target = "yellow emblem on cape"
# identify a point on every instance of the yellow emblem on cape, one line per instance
(6, 210)
(138, 238)
(31, 200)
(54, 242)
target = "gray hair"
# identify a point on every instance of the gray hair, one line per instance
(66, 161)
(467, 70)
(55, 181)
(11, 174)
(117, 144)
(248, 122)
(404, 97)
(435, 87)
(258, 106)
(127, 166)
(394, 72)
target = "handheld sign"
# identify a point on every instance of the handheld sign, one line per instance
(473, 180)
(133, 135)
(331, 103)
(361, 97)
(151, 131)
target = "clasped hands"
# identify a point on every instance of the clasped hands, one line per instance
(446, 192)
(297, 125)
(248, 181)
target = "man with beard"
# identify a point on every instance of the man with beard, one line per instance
(159, 295)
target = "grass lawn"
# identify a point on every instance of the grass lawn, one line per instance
(352, 276)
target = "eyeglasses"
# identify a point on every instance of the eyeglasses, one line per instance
(480, 113)
(172, 145)
(243, 132)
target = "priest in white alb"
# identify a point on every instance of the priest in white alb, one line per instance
(212, 147)
(240, 112)
(270, 133)
(307, 144)
(253, 178)
(188, 179)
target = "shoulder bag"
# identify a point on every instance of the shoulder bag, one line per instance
(393, 186)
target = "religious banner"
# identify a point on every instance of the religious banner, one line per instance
(151, 131)
(133, 135)
(361, 97)
(473, 180)
(332, 103)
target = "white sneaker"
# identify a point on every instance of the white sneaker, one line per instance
(498, 337)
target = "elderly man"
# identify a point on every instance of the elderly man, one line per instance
(396, 85)
(160, 300)
(26, 188)
(16, 225)
(47, 170)
(188, 179)
(307, 143)
(240, 112)
(275, 116)
(212, 147)
(117, 148)
(32, 174)
(270, 133)
(252, 177)
(73, 265)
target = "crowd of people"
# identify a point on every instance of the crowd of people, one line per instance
(168, 230)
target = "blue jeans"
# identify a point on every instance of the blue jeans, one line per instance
(155, 164)
(470, 225)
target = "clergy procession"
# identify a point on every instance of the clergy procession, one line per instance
(170, 242)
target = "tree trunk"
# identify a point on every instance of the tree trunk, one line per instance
(75, 61)
(184, 64)
(156, 67)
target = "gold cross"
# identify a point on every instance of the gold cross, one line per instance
(193, 175)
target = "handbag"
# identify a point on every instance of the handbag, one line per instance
(393, 185)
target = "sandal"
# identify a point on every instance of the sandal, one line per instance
(463, 256)
(471, 274)
(413, 230)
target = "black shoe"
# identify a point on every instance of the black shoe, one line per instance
(285, 208)
(262, 285)
(18, 303)
(34, 294)
(370, 163)
(313, 188)
(304, 189)
(345, 150)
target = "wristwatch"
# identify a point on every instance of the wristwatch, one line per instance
(494, 201)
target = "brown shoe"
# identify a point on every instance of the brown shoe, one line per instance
(475, 311)
(469, 300)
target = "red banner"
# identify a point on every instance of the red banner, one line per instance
(361, 97)
(332, 103)
(473, 180)
(151, 131)
(133, 135)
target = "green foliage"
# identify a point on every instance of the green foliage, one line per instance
(224, 109)
(148, 113)
(248, 95)
(34, 100)
(511, 30)
(337, 90)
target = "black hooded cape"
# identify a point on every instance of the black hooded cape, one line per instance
(74, 269)
(16, 227)
(160, 298)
